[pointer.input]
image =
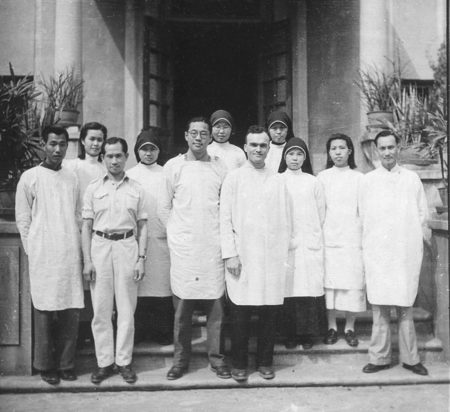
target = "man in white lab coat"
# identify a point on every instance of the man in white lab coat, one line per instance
(190, 208)
(393, 211)
(46, 215)
(255, 226)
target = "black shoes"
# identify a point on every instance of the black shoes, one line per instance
(351, 338)
(176, 372)
(266, 372)
(239, 375)
(331, 337)
(371, 368)
(127, 373)
(290, 344)
(51, 376)
(68, 375)
(222, 372)
(102, 373)
(418, 369)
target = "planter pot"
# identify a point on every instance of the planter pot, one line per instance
(67, 117)
(417, 155)
(7, 204)
(380, 119)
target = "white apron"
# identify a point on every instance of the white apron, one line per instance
(256, 222)
(306, 270)
(193, 187)
(156, 281)
(232, 155)
(393, 209)
(46, 209)
(342, 229)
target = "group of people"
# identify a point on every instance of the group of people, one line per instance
(227, 231)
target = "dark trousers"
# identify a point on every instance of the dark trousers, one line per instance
(55, 339)
(182, 332)
(154, 318)
(265, 333)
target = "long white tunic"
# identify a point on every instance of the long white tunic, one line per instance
(273, 158)
(255, 224)
(393, 209)
(230, 154)
(46, 216)
(190, 206)
(156, 281)
(342, 229)
(306, 272)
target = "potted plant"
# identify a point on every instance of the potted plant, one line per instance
(63, 95)
(19, 135)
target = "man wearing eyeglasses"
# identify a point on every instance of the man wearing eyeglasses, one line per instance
(190, 208)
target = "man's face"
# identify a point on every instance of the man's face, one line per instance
(388, 151)
(55, 149)
(198, 137)
(257, 147)
(115, 159)
(93, 142)
(221, 132)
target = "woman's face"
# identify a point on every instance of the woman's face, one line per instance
(148, 154)
(278, 133)
(295, 159)
(221, 132)
(93, 142)
(339, 152)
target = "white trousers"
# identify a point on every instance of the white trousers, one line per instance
(114, 262)
(380, 344)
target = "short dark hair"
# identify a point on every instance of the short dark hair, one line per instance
(348, 141)
(386, 133)
(202, 119)
(256, 129)
(114, 140)
(58, 130)
(83, 133)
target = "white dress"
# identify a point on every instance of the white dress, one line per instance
(344, 272)
(190, 206)
(255, 224)
(306, 269)
(273, 158)
(156, 281)
(232, 155)
(47, 212)
(393, 211)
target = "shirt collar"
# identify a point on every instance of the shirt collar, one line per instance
(125, 178)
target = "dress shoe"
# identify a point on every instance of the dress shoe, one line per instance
(266, 372)
(164, 340)
(239, 375)
(51, 376)
(418, 369)
(351, 338)
(371, 368)
(68, 375)
(102, 373)
(127, 373)
(307, 342)
(176, 372)
(331, 337)
(222, 372)
(290, 344)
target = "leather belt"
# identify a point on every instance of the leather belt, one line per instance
(114, 236)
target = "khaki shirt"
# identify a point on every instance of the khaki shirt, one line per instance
(114, 207)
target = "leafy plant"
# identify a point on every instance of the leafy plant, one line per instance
(19, 128)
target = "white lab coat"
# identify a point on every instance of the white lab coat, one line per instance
(46, 216)
(156, 281)
(232, 155)
(393, 209)
(274, 155)
(342, 229)
(190, 206)
(256, 224)
(306, 270)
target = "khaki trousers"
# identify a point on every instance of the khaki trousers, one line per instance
(380, 344)
(114, 262)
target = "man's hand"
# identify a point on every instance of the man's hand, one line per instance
(89, 272)
(233, 265)
(139, 270)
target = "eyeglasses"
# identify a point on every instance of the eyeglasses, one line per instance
(195, 133)
(225, 127)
